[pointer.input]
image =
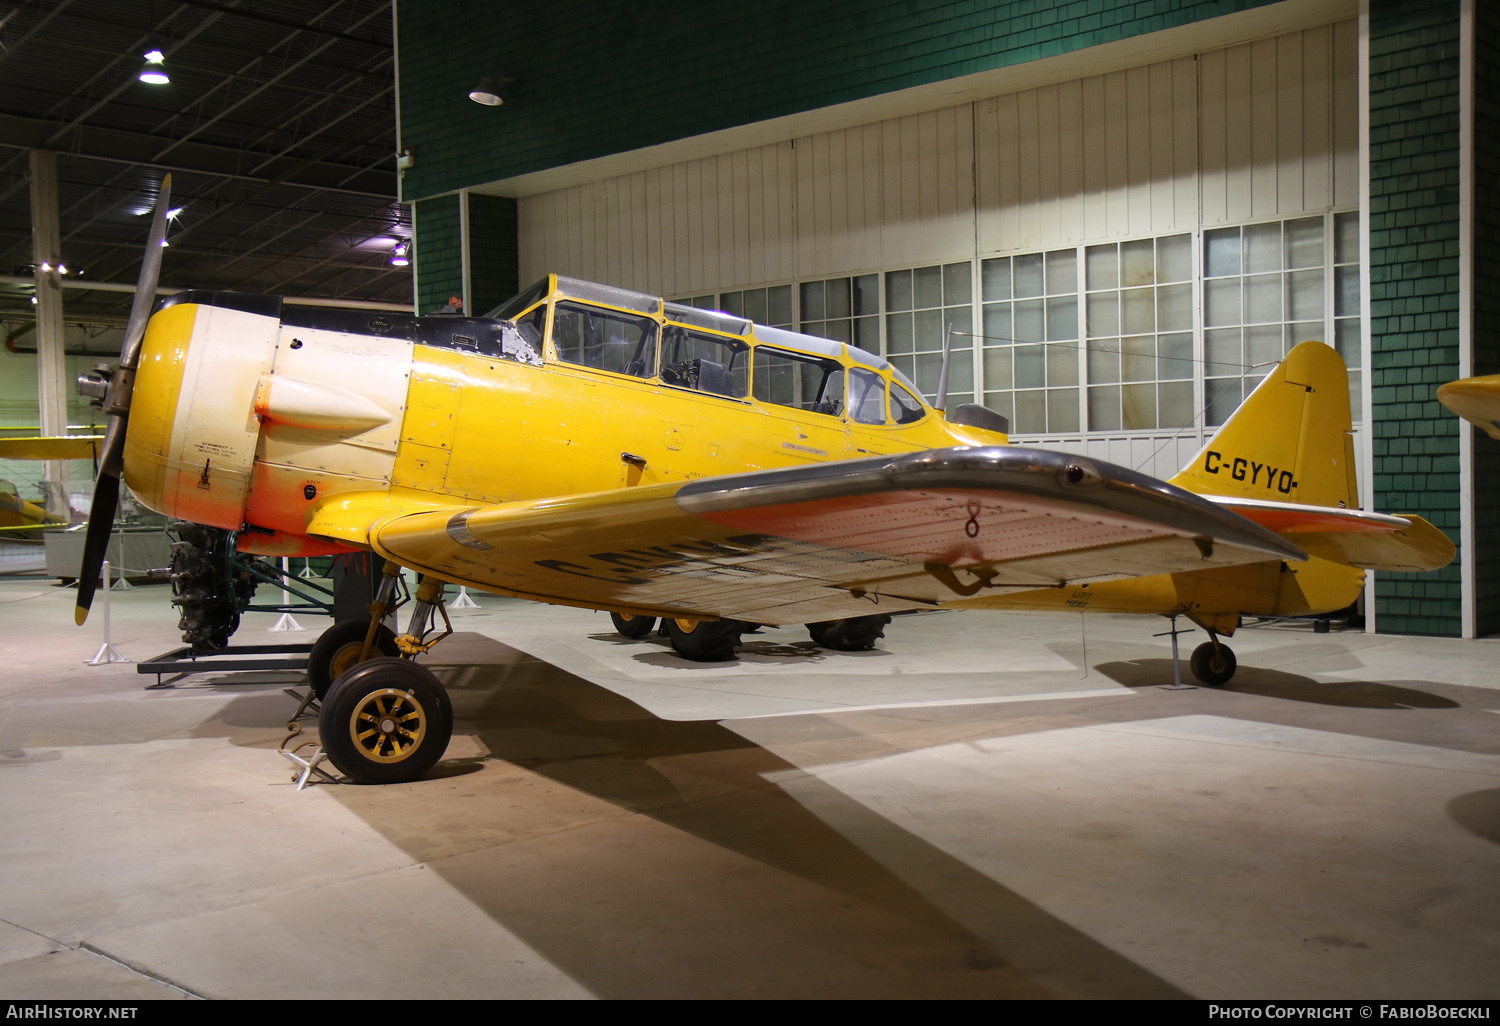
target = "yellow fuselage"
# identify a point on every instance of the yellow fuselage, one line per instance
(252, 422)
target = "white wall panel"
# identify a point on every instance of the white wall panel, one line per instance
(685, 228)
(1101, 157)
(1261, 130)
(1279, 126)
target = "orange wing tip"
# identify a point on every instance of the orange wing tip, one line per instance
(80, 614)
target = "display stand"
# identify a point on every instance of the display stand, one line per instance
(107, 652)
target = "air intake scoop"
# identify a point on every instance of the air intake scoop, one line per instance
(315, 406)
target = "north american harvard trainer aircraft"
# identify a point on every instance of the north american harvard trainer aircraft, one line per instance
(590, 446)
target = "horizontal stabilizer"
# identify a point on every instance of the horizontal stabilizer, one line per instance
(1370, 541)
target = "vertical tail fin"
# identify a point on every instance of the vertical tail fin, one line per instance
(1291, 440)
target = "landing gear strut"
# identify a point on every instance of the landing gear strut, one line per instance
(384, 719)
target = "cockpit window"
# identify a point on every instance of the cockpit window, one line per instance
(806, 382)
(905, 408)
(704, 362)
(604, 339)
(515, 304)
(866, 396)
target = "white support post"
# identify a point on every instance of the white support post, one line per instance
(287, 621)
(463, 601)
(107, 653)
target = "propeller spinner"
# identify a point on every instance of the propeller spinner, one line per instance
(113, 395)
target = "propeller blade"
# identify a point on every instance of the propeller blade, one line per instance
(112, 456)
(96, 542)
(145, 286)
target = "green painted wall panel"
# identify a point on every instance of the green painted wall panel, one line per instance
(439, 253)
(1486, 309)
(595, 78)
(1414, 297)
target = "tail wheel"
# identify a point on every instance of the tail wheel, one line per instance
(387, 721)
(851, 634)
(633, 626)
(704, 641)
(1213, 664)
(338, 649)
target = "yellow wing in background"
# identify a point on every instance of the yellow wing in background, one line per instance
(1476, 400)
(72, 447)
(818, 542)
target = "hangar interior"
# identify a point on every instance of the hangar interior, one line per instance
(1120, 216)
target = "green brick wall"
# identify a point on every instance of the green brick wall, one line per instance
(596, 77)
(494, 252)
(1486, 312)
(1414, 231)
(439, 252)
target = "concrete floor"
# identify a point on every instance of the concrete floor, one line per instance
(974, 810)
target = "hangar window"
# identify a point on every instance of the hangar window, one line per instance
(1030, 355)
(704, 362)
(769, 306)
(604, 339)
(1268, 287)
(922, 304)
(844, 310)
(1138, 326)
(805, 382)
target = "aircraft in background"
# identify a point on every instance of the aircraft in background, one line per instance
(1476, 400)
(20, 519)
(591, 446)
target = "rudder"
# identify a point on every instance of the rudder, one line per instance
(1291, 440)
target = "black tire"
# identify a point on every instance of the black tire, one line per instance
(704, 641)
(630, 626)
(1213, 664)
(338, 649)
(387, 721)
(851, 634)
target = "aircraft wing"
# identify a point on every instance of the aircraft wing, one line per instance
(72, 447)
(1370, 541)
(1476, 400)
(809, 543)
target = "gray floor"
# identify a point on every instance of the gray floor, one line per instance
(974, 810)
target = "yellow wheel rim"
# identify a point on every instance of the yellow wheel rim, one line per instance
(345, 659)
(388, 725)
(686, 626)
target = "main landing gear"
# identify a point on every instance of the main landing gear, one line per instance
(1213, 662)
(714, 641)
(384, 719)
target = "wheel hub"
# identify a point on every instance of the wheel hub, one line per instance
(388, 725)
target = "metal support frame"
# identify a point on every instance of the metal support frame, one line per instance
(183, 663)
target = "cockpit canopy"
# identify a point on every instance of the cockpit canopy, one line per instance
(631, 333)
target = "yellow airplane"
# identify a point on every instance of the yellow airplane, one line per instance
(21, 520)
(590, 446)
(1476, 400)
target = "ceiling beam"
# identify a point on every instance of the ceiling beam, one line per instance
(203, 158)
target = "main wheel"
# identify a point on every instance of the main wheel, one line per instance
(851, 634)
(387, 721)
(633, 626)
(704, 641)
(338, 649)
(1213, 664)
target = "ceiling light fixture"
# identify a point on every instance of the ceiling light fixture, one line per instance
(398, 256)
(154, 70)
(487, 91)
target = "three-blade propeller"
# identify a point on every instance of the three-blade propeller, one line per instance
(116, 404)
